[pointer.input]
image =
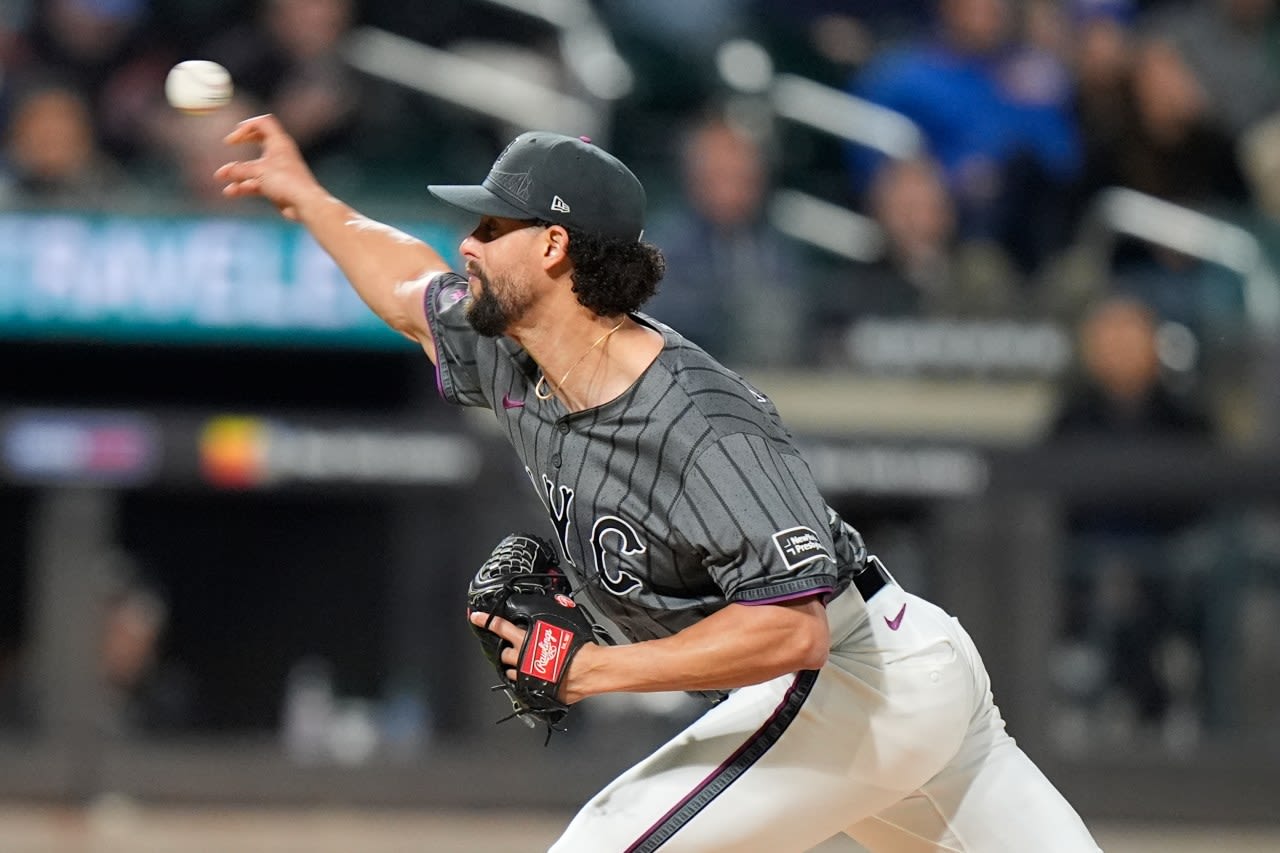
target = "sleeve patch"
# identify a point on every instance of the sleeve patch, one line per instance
(800, 546)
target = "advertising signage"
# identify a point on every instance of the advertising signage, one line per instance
(181, 280)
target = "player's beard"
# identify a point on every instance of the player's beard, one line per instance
(496, 307)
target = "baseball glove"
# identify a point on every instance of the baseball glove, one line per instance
(521, 581)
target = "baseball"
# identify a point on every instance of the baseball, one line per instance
(198, 86)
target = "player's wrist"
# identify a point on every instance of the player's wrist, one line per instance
(315, 202)
(578, 682)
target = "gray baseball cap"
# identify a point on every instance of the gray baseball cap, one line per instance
(562, 179)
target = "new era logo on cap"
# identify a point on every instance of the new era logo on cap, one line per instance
(538, 170)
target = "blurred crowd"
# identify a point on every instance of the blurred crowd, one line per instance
(1029, 114)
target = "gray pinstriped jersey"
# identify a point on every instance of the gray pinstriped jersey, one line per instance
(682, 494)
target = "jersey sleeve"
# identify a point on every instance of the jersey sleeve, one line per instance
(756, 515)
(456, 343)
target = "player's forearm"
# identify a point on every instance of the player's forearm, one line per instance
(387, 268)
(737, 646)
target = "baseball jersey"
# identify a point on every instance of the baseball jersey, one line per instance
(684, 493)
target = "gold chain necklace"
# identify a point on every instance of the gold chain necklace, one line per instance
(549, 392)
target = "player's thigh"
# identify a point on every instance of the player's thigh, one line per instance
(774, 769)
(1004, 804)
(990, 798)
(724, 784)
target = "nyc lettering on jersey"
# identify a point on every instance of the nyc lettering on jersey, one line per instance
(616, 579)
(559, 503)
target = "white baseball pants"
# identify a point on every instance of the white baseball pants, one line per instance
(895, 741)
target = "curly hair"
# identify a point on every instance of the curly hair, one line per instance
(611, 276)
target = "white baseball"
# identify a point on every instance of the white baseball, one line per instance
(198, 86)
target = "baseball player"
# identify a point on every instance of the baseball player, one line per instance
(685, 514)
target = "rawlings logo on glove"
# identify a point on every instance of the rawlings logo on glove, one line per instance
(552, 647)
(521, 582)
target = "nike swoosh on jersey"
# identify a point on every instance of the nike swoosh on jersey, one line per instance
(896, 621)
(508, 403)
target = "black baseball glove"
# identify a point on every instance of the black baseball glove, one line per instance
(521, 581)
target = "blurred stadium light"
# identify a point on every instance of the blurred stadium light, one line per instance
(586, 50)
(746, 67)
(471, 84)
(586, 46)
(828, 226)
(1121, 211)
(851, 118)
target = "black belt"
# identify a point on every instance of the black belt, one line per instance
(873, 578)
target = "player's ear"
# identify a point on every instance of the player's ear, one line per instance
(555, 248)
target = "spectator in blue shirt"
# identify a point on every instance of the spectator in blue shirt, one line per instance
(995, 112)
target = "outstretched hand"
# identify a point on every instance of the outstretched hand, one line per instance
(279, 174)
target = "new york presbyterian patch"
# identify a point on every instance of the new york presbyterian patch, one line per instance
(800, 546)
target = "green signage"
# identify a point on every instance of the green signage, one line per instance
(176, 280)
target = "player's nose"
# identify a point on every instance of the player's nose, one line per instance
(468, 247)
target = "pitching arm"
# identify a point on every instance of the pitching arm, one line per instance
(387, 268)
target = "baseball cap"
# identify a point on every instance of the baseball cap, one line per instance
(563, 179)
